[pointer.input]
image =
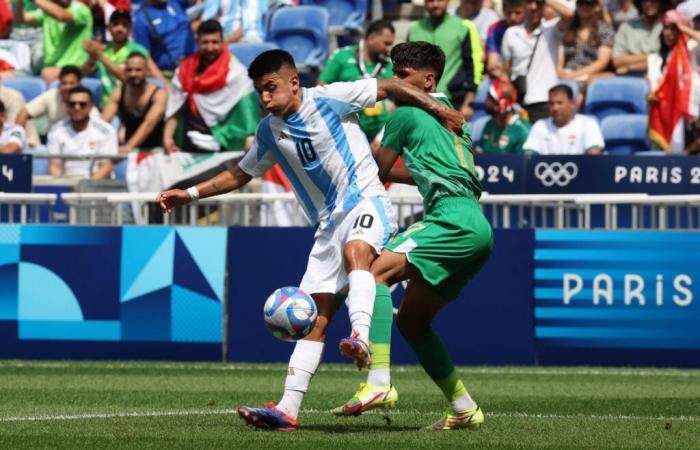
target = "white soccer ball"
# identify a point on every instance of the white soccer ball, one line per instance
(290, 313)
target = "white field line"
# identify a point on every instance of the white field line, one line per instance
(400, 412)
(627, 372)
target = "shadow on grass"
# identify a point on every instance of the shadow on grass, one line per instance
(357, 428)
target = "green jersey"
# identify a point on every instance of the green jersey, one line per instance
(63, 43)
(441, 162)
(459, 40)
(345, 65)
(508, 140)
(108, 80)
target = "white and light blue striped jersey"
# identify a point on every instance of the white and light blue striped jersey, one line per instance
(322, 150)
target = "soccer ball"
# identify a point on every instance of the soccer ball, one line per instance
(290, 313)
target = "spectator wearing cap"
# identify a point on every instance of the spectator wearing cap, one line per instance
(109, 59)
(66, 24)
(163, 28)
(506, 131)
(81, 135)
(12, 137)
(674, 81)
(565, 132)
(242, 20)
(637, 38)
(530, 53)
(586, 48)
(51, 103)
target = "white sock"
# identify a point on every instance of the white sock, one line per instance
(302, 366)
(379, 377)
(361, 301)
(464, 403)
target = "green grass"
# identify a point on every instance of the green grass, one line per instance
(174, 405)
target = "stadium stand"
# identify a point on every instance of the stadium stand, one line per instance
(477, 128)
(30, 87)
(247, 52)
(479, 108)
(625, 134)
(618, 95)
(303, 32)
(345, 15)
(94, 84)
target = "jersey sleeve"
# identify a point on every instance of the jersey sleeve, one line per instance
(53, 140)
(258, 160)
(39, 106)
(397, 129)
(593, 137)
(81, 14)
(357, 94)
(18, 136)
(534, 140)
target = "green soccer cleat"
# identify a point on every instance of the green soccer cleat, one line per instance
(451, 420)
(366, 398)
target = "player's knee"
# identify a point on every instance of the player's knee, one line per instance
(318, 333)
(358, 255)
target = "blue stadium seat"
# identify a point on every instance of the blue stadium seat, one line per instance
(30, 87)
(618, 95)
(119, 169)
(247, 52)
(348, 14)
(303, 32)
(625, 134)
(94, 84)
(479, 108)
(477, 127)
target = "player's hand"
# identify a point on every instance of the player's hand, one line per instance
(453, 121)
(172, 199)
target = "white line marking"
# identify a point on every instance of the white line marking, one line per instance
(683, 373)
(400, 412)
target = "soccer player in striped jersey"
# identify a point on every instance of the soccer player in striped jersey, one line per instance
(441, 253)
(314, 135)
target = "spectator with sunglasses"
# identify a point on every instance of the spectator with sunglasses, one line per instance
(81, 135)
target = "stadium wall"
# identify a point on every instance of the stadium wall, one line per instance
(544, 297)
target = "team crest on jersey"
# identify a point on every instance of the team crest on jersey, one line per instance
(282, 136)
(92, 145)
(358, 232)
(503, 141)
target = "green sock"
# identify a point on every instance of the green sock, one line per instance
(380, 330)
(432, 355)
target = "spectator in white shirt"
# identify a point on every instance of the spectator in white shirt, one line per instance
(12, 139)
(81, 135)
(565, 132)
(15, 56)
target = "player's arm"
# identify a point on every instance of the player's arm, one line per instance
(112, 107)
(227, 181)
(406, 94)
(55, 10)
(386, 158)
(22, 16)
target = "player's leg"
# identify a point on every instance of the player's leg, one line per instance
(303, 364)
(420, 305)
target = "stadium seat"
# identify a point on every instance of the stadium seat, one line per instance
(625, 134)
(303, 32)
(477, 127)
(344, 14)
(479, 108)
(247, 52)
(30, 87)
(94, 84)
(119, 169)
(618, 95)
(572, 84)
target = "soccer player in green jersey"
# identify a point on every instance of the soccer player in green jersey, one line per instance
(439, 254)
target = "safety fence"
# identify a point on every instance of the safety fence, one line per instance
(544, 211)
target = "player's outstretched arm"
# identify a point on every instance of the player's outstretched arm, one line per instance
(406, 94)
(227, 181)
(386, 158)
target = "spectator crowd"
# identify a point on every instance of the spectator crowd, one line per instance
(523, 72)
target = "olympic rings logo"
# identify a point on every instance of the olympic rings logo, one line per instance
(556, 173)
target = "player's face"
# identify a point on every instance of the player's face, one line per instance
(379, 44)
(120, 30)
(419, 78)
(514, 16)
(210, 46)
(277, 91)
(561, 108)
(66, 83)
(135, 71)
(79, 106)
(436, 8)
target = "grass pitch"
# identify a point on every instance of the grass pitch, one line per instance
(174, 405)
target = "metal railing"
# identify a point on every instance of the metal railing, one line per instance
(570, 211)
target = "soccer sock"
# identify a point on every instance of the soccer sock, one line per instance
(380, 338)
(432, 355)
(302, 366)
(361, 301)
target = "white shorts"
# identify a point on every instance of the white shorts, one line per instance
(373, 221)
